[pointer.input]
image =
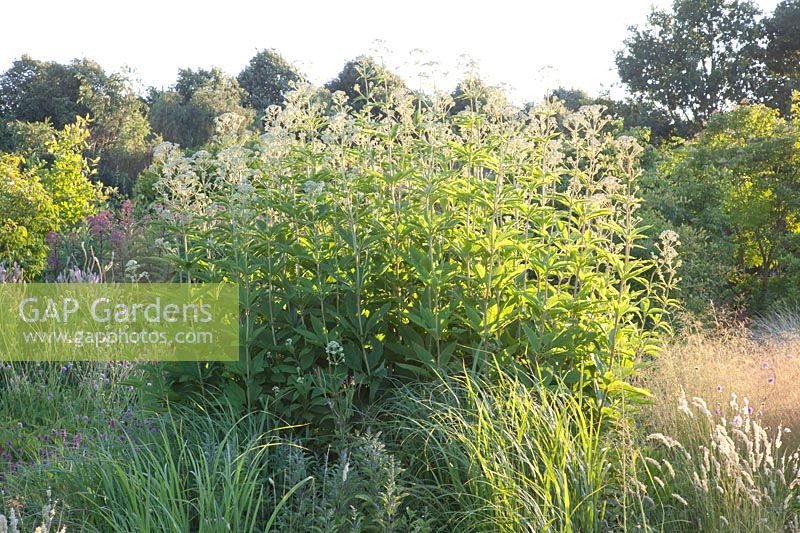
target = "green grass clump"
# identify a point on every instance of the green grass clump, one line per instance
(502, 456)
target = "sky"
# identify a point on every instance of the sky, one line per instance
(529, 46)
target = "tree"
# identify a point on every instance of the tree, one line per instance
(365, 80)
(51, 93)
(267, 79)
(783, 31)
(573, 99)
(185, 114)
(738, 182)
(120, 131)
(703, 56)
(33, 91)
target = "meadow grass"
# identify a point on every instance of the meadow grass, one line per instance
(502, 456)
(760, 363)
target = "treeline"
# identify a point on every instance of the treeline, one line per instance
(710, 90)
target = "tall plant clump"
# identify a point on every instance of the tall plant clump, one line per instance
(402, 240)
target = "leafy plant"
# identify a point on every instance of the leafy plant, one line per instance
(47, 191)
(418, 242)
(731, 193)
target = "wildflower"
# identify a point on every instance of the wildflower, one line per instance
(719, 388)
(737, 421)
(770, 380)
(335, 353)
(313, 188)
(765, 365)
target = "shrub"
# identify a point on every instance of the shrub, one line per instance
(27, 215)
(734, 187)
(47, 191)
(417, 241)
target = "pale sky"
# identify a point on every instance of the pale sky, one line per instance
(530, 46)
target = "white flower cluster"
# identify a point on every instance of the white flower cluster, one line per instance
(335, 353)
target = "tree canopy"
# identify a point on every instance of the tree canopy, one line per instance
(364, 79)
(783, 31)
(266, 79)
(185, 114)
(701, 57)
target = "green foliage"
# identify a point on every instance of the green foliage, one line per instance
(27, 215)
(120, 131)
(784, 39)
(48, 190)
(83, 430)
(202, 473)
(366, 82)
(699, 58)
(357, 486)
(186, 114)
(66, 176)
(35, 91)
(407, 242)
(267, 78)
(503, 456)
(733, 190)
(47, 93)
